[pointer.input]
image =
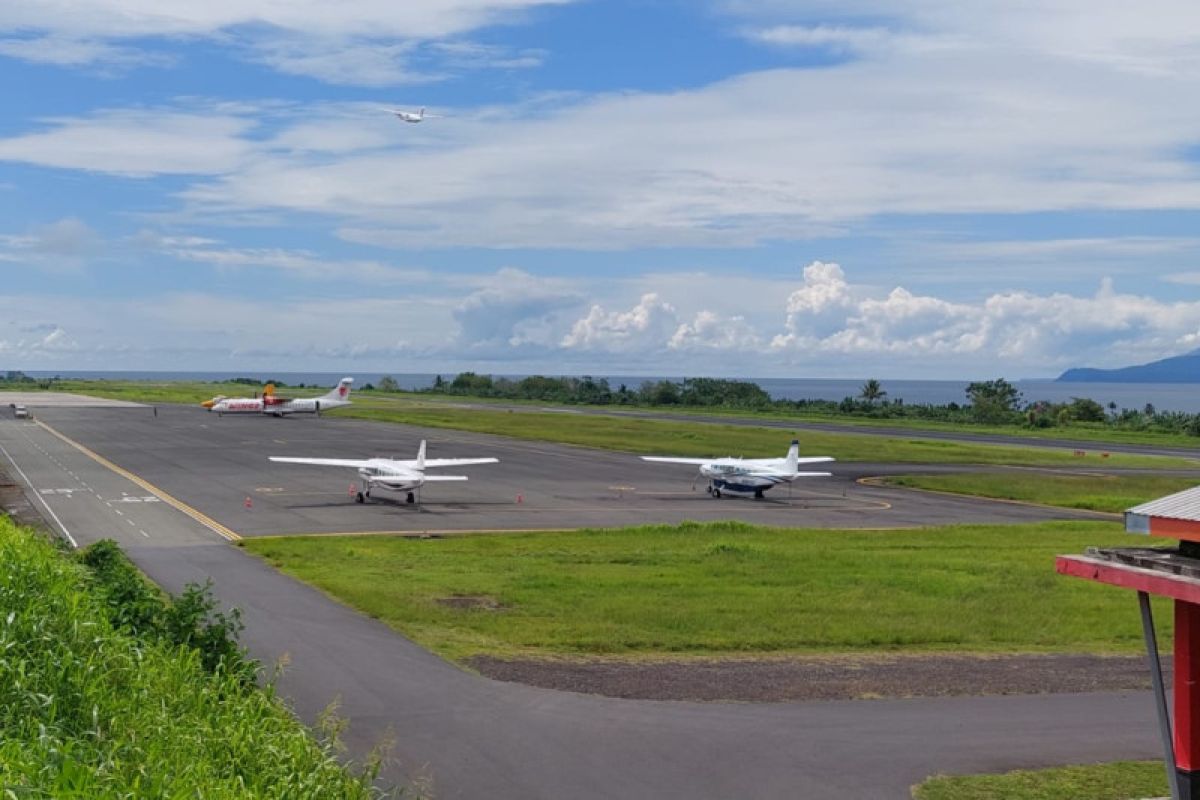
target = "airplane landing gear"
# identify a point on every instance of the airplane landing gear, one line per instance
(359, 498)
(410, 499)
(758, 495)
(708, 489)
(716, 493)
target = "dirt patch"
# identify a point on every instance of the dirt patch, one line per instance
(470, 603)
(829, 678)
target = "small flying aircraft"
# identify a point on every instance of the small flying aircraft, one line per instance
(412, 116)
(273, 404)
(749, 476)
(387, 473)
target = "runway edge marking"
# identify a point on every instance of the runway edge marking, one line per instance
(179, 505)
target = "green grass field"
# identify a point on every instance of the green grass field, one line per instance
(708, 439)
(1111, 493)
(1123, 780)
(727, 589)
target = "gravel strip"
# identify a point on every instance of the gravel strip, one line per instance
(828, 678)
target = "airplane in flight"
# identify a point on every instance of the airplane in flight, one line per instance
(749, 476)
(411, 116)
(273, 404)
(392, 474)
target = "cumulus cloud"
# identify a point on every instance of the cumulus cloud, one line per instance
(648, 325)
(514, 309)
(1006, 328)
(713, 332)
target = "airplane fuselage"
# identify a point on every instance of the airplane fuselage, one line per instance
(740, 480)
(386, 477)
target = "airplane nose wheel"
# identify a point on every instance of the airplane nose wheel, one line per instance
(716, 493)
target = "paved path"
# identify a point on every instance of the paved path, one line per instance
(468, 737)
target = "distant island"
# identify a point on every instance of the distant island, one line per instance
(1177, 369)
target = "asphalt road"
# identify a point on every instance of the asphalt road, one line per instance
(463, 736)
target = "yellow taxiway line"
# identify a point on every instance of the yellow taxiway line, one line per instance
(203, 519)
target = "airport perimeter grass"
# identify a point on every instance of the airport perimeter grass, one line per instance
(1111, 493)
(1121, 780)
(727, 590)
(88, 711)
(710, 439)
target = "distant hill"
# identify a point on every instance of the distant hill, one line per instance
(1177, 369)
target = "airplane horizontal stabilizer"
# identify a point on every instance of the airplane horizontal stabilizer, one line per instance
(429, 478)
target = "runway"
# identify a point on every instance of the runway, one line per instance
(463, 736)
(214, 464)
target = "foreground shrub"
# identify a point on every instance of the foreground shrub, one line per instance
(88, 710)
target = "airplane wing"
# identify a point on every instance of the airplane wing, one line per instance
(324, 462)
(670, 460)
(457, 462)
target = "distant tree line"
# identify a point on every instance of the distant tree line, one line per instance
(994, 402)
(21, 379)
(587, 390)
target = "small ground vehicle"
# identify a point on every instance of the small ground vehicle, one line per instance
(20, 412)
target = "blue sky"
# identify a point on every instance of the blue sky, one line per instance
(731, 187)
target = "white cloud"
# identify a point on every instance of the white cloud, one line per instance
(1005, 330)
(646, 326)
(138, 143)
(68, 52)
(709, 331)
(360, 42)
(512, 310)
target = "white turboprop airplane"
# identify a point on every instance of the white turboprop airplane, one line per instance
(273, 404)
(410, 116)
(751, 476)
(388, 473)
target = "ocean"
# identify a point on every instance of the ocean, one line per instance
(1163, 396)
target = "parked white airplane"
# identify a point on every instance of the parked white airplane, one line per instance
(388, 473)
(410, 116)
(750, 475)
(271, 403)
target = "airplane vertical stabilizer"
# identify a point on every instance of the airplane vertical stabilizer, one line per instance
(421, 456)
(792, 456)
(341, 391)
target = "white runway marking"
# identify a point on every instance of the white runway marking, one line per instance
(38, 495)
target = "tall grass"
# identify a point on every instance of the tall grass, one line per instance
(88, 711)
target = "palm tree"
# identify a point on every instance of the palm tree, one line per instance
(872, 390)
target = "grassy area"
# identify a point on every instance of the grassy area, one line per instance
(1100, 433)
(88, 711)
(1122, 780)
(1111, 493)
(727, 589)
(709, 439)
